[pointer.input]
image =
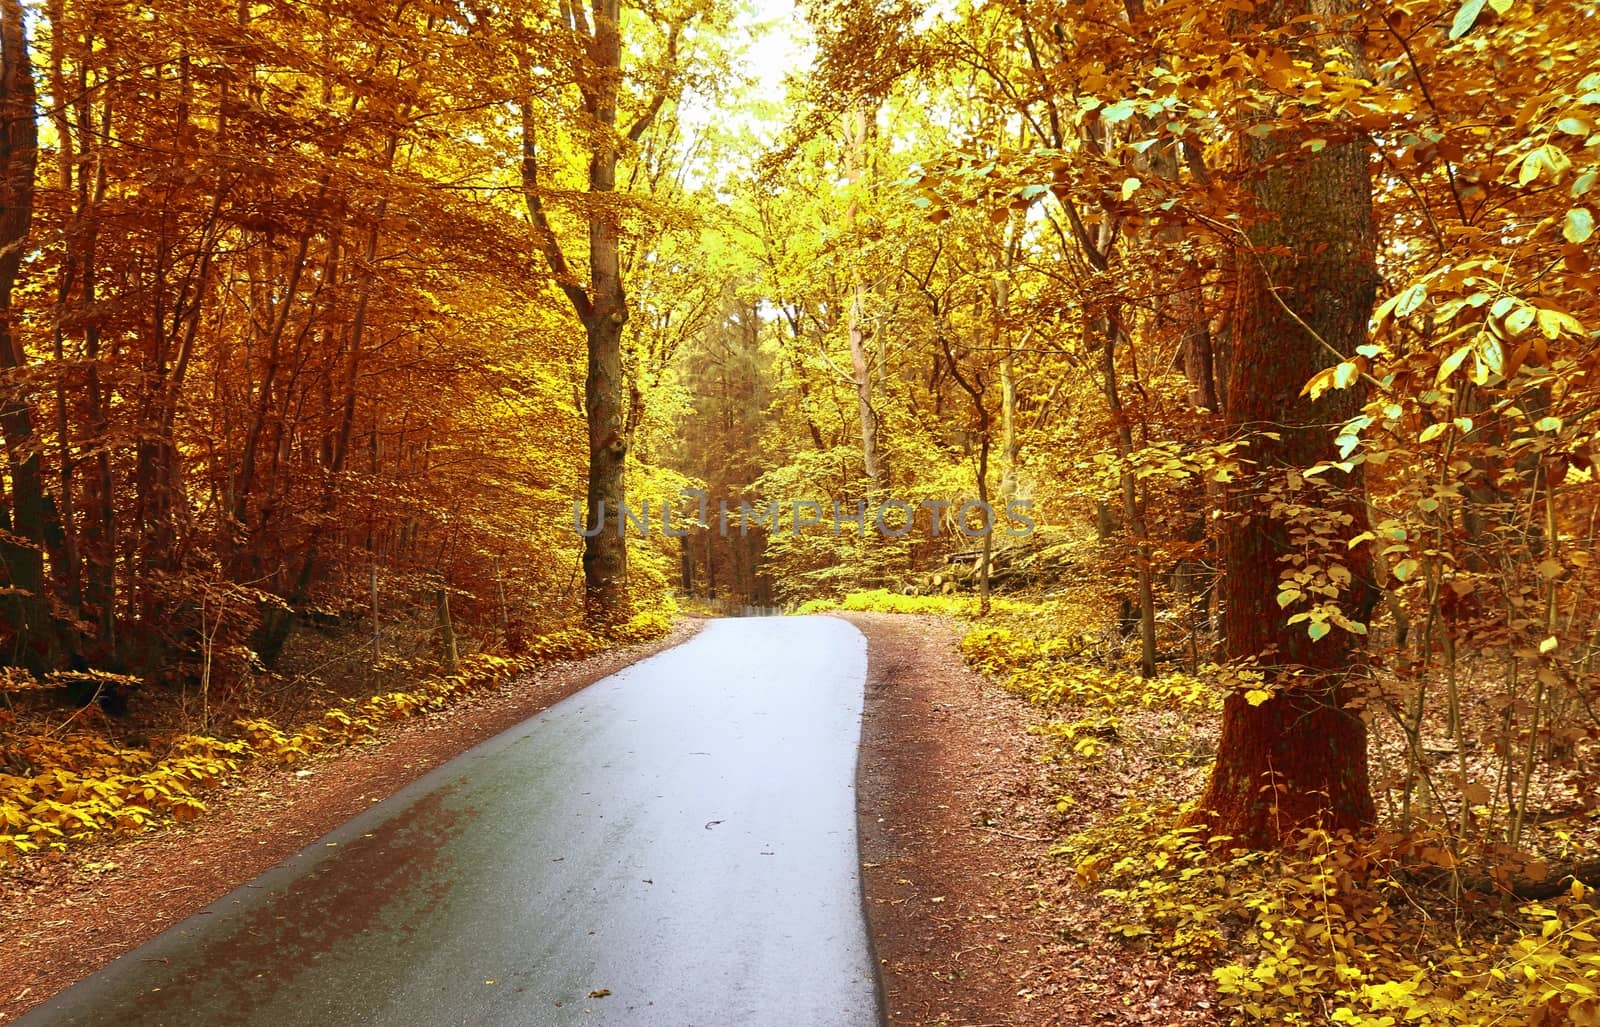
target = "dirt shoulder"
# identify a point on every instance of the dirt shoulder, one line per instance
(973, 922)
(61, 920)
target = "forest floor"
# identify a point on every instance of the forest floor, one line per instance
(64, 918)
(975, 924)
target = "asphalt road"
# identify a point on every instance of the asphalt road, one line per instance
(673, 846)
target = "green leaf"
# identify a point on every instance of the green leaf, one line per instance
(1406, 569)
(1466, 18)
(1317, 629)
(1122, 110)
(1545, 158)
(1452, 363)
(1580, 225)
(1410, 300)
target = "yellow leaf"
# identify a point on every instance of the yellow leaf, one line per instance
(1319, 383)
(1553, 322)
(1257, 696)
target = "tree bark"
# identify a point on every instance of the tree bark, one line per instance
(25, 608)
(860, 366)
(1300, 758)
(1199, 364)
(448, 654)
(602, 307)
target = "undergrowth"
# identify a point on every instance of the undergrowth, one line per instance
(58, 790)
(1370, 931)
(1339, 929)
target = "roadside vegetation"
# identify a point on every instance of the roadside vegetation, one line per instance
(1406, 923)
(64, 783)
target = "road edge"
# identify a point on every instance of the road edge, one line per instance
(66, 919)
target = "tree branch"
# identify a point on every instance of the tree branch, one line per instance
(644, 121)
(545, 236)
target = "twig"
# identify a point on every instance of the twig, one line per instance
(1010, 834)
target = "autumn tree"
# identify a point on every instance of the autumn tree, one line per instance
(25, 601)
(279, 334)
(592, 42)
(1306, 288)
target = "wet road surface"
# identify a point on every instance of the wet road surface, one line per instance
(680, 835)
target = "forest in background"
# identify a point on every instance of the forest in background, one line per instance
(319, 318)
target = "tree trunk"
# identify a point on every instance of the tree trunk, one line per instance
(1199, 363)
(448, 654)
(602, 306)
(26, 610)
(861, 368)
(1131, 508)
(1008, 392)
(1300, 758)
(605, 553)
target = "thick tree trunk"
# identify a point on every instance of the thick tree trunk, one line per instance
(1300, 758)
(602, 307)
(24, 606)
(605, 553)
